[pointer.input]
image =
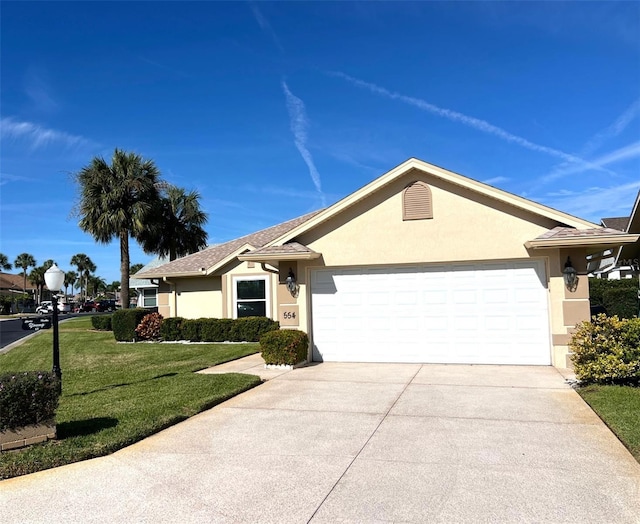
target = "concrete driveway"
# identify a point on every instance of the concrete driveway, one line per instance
(359, 443)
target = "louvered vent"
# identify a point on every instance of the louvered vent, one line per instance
(416, 202)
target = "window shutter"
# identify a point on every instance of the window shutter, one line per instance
(416, 202)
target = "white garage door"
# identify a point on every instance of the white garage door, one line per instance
(488, 313)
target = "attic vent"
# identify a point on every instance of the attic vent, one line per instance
(416, 202)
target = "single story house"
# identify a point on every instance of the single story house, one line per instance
(146, 289)
(420, 265)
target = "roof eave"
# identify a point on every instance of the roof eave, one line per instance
(604, 242)
(276, 257)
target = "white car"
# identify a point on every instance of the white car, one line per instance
(46, 307)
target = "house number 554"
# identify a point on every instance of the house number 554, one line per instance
(288, 315)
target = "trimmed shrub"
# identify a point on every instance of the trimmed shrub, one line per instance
(101, 322)
(250, 329)
(191, 330)
(216, 329)
(619, 297)
(27, 397)
(149, 327)
(606, 350)
(125, 322)
(284, 346)
(171, 328)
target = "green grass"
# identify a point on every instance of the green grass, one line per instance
(619, 408)
(117, 394)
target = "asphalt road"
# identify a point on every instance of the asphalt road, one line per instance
(11, 330)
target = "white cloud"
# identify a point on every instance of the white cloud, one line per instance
(6, 178)
(38, 136)
(624, 153)
(495, 180)
(266, 26)
(595, 203)
(299, 126)
(476, 123)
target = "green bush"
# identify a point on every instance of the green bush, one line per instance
(191, 330)
(27, 397)
(619, 297)
(284, 346)
(216, 329)
(606, 350)
(250, 329)
(101, 322)
(171, 328)
(125, 322)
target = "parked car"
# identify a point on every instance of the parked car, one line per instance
(88, 305)
(46, 307)
(107, 305)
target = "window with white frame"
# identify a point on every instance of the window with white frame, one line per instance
(250, 295)
(149, 297)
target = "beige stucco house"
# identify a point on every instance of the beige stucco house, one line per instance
(420, 265)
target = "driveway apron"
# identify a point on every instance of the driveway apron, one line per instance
(359, 443)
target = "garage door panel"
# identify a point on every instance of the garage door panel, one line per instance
(457, 313)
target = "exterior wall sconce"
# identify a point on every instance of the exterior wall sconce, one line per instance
(54, 278)
(570, 275)
(292, 285)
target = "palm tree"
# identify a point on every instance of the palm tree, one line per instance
(37, 278)
(70, 278)
(176, 229)
(24, 261)
(85, 267)
(134, 269)
(115, 201)
(4, 263)
(96, 284)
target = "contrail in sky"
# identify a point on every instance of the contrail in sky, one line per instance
(476, 123)
(299, 125)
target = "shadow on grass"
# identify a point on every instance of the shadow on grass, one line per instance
(79, 428)
(113, 386)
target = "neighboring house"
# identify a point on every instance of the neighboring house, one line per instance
(147, 288)
(420, 265)
(624, 261)
(11, 287)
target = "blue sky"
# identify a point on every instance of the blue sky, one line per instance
(273, 109)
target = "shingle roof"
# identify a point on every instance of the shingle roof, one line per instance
(285, 249)
(619, 223)
(570, 232)
(14, 282)
(209, 257)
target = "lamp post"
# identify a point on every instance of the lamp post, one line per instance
(54, 278)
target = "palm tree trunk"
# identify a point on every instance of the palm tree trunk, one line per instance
(124, 268)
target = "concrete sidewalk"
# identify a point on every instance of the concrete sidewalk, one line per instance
(359, 443)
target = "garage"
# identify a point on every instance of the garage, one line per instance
(480, 313)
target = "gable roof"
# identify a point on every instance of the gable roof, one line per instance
(14, 283)
(568, 236)
(443, 174)
(619, 223)
(210, 259)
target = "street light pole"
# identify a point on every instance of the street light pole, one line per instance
(54, 278)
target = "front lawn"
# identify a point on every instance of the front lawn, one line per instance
(117, 394)
(619, 408)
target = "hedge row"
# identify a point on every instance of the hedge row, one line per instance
(101, 322)
(28, 397)
(248, 329)
(606, 350)
(619, 297)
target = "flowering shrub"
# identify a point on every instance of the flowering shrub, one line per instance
(149, 327)
(27, 397)
(606, 350)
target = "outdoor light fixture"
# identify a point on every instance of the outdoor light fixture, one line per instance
(292, 285)
(570, 275)
(54, 278)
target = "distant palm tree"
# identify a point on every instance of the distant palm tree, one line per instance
(96, 284)
(176, 228)
(4, 263)
(115, 201)
(85, 267)
(24, 261)
(135, 268)
(37, 278)
(70, 278)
